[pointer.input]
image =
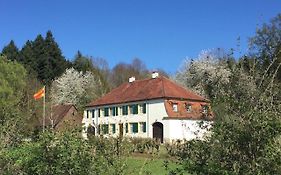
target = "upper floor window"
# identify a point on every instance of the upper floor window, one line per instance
(99, 113)
(134, 109)
(106, 112)
(93, 113)
(188, 107)
(143, 108)
(125, 110)
(114, 111)
(205, 109)
(175, 107)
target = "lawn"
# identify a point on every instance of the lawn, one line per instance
(149, 165)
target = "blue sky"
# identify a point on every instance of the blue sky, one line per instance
(161, 33)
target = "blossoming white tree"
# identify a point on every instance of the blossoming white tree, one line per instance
(206, 73)
(76, 88)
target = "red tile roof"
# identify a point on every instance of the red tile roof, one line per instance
(147, 89)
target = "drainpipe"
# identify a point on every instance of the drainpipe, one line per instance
(147, 116)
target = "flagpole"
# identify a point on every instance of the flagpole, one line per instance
(44, 101)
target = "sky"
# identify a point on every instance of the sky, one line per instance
(162, 33)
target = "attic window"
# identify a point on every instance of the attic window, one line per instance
(188, 107)
(175, 107)
(205, 109)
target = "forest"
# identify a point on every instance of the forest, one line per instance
(245, 94)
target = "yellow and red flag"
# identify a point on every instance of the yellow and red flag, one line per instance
(39, 94)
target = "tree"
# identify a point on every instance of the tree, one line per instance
(122, 72)
(266, 45)
(11, 51)
(207, 75)
(82, 63)
(76, 88)
(12, 86)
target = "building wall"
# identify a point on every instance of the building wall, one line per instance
(188, 129)
(71, 119)
(155, 112)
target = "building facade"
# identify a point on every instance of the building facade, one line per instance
(151, 108)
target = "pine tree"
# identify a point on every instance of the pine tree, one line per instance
(11, 51)
(27, 57)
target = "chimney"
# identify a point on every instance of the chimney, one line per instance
(132, 79)
(155, 75)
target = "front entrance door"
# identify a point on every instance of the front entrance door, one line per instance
(121, 130)
(158, 131)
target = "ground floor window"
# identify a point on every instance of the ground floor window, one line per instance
(134, 127)
(113, 128)
(143, 126)
(104, 129)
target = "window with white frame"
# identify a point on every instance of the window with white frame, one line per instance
(205, 109)
(134, 127)
(188, 107)
(143, 127)
(175, 107)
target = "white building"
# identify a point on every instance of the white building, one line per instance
(155, 108)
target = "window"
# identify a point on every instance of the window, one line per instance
(105, 129)
(126, 128)
(175, 107)
(106, 112)
(114, 111)
(134, 127)
(113, 128)
(188, 107)
(125, 110)
(205, 109)
(134, 109)
(143, 126)
(99, 113)
(111, 111)
(143, 108)
(93, 113)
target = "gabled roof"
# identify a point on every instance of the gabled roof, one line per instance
(147, 89)
(59, 112)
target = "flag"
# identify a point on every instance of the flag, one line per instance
(39, 94)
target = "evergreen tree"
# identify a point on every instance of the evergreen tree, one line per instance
(49, 60)
(82, 63)
(27, 57)
(11, 51)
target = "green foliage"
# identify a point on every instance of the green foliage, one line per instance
(51, 154)
(11, 51)
(12, 83)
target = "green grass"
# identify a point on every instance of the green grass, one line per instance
(149, 165)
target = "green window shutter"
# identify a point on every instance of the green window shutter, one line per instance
(144, 108)
(126, 128)
(106, 112)
(135, 109)
(135, 127)
(113, 128)
(144, 127)
(93, 113)
(116, 111)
